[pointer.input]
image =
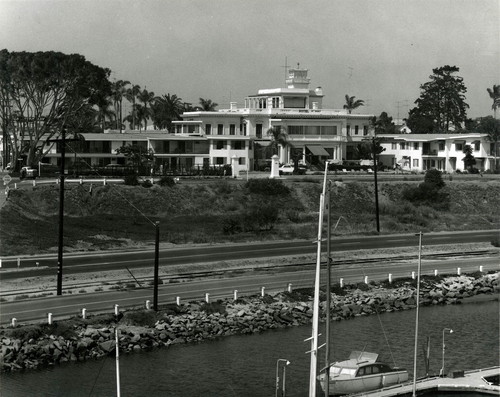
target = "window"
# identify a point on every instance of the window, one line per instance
(232, 129)
(258, 130)
(356, 129)
(208, 129)
(415, 163)
(237, 145)
(220, 129)
(416, 146)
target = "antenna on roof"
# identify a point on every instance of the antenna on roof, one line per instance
(286, 69)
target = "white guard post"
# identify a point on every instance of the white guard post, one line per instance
(234, 166)
(275, 165)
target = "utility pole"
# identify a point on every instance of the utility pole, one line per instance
(156, 278)
(60, 245)
(375, 165)
(61, 214)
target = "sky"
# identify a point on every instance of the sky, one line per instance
(380, 51)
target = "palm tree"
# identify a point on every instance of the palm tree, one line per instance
(148, 99)
(351, 103)
(131, 95)
(495, 95)
(119, 90)
(104, 111)
(207, 105)
(279, 138)
(165, 109)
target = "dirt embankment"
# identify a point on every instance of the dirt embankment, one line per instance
(205, 211)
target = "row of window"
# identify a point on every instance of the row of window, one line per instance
(233, 145)
(356, 129)
(242, 129)
(224, 160)
(441, 146)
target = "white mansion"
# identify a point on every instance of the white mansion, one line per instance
(237, 135)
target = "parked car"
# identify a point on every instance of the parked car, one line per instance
(289, 169)
(286, 169)
(28, 172)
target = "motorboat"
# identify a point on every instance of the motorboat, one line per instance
(361, 373)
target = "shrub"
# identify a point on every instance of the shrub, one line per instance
(167, 181)
(260, 216)
(131, 180)
(139, 318)
(268, 187)
(231, 224)
(223, 187)
(213, 307)
(434, 177)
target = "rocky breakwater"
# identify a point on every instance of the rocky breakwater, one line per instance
(78, 339)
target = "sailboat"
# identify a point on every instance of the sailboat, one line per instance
(361, 372)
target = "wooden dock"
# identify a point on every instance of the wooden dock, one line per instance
(479, 381)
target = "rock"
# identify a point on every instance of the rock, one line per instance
(107, 346)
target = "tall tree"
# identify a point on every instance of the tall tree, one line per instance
(495, 96)
(119, 89)
(147, 99)
(441, 104)
(351, 103)
(136, 155)
(469, 160)
(279, 137)
(491, 127)
(131, 96)
(166, 109)
(105, 113)
(46, 91)
(383, 124)
(207, 105)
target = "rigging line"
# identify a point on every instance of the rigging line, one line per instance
(113, 188)
(382, 326)
(98, 374)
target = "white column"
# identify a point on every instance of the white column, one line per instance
(275, 173)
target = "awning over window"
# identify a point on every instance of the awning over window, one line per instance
(318, 150)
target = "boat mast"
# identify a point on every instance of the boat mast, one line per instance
(117, 364)
(315, 320)
(414, 393)
(328, 292)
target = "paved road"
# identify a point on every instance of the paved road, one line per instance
(91, 262)
(252, 283)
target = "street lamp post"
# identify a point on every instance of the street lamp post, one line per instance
(283, 391)
(441, 373)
